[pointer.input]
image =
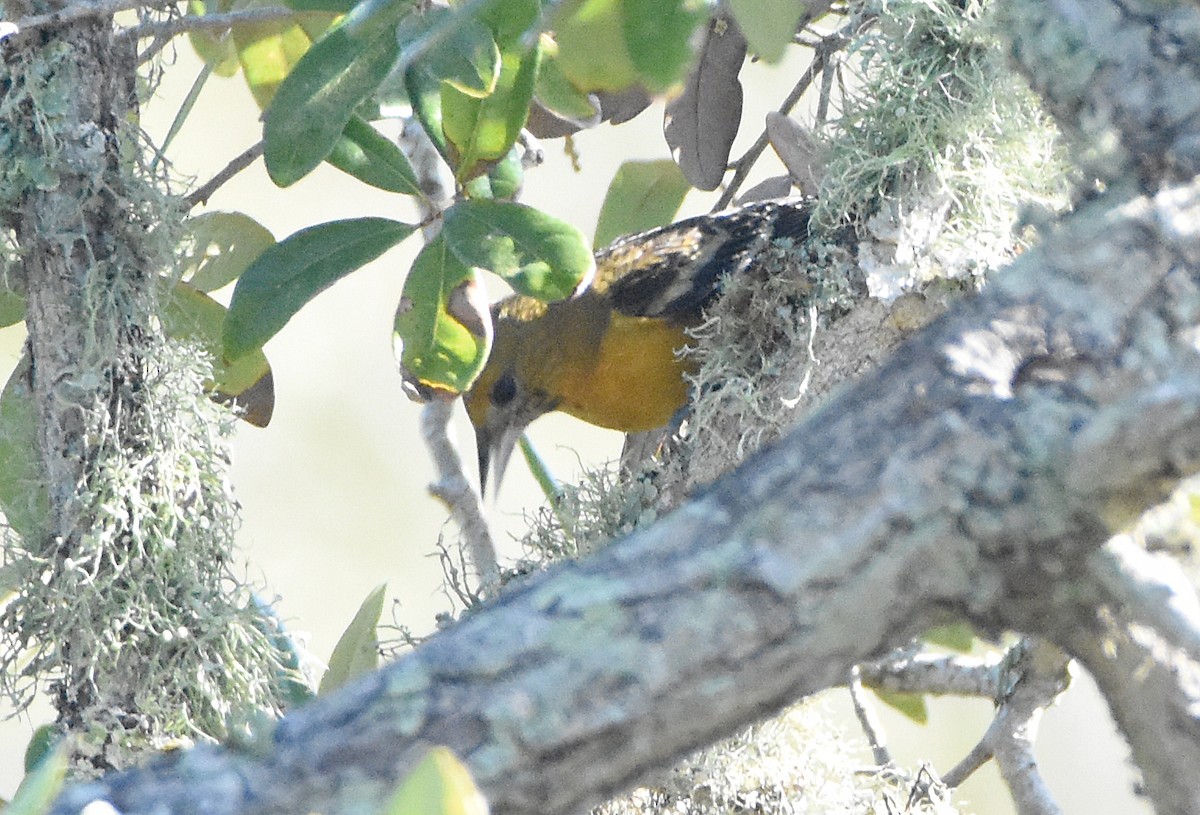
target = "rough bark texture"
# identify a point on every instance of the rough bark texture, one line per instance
(979, 471)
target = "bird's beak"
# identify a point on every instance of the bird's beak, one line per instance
(495, 446)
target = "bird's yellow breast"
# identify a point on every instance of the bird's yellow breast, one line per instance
(635, 380)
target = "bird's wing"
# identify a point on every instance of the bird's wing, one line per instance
(675, 270)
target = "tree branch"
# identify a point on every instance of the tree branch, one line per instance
(1000, 441)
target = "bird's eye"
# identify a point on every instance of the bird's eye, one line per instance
(504, 390)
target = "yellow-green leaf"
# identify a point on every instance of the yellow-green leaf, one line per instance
(357, 650)
(911, 705)
(439, 785)
(768, 25)
(642, 195)
(192, 315)
(40, 787)
(219, 246)
(593, 51)
(482, 130)
(443, 330)
(658, 36)
(956, 636)
(268, 51)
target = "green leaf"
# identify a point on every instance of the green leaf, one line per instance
(315, 101)
(658, 35)
(768, 25)
(558, 95)
(538, 255)
(296, 270)
(219, 246)
(268, 51)
(332, 6)
(23, 491)
(509, 20)
(40, 787)
(188, 314)
(41, 745)
(503, 181)
(12, 305)
(467, 57)
(593, 51)
(374, 159)
(642, 195)
(217, 50)
(910, 705)
(439, 785)
(484, 129)
(425, 94)
(957, 637)
(357, 650)
(443, 330)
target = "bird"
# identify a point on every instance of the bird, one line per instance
(609, 355)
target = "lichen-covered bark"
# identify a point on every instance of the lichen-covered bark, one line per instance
(977, 471)
(981, 470)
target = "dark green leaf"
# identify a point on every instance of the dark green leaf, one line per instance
(315, 101)
(374, 159)
(357, 650)
(41, 745)
(642, 195)
(538, 255)
(219, 246)
(425, 94)
(467, 57)
(442, 330)
(297, 269)
(484, 129)
(508, 20)
(333, 6)
(658, 35)
(12, 306)
(23, 493)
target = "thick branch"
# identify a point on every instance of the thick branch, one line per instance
(974, 472)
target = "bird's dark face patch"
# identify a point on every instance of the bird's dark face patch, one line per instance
(504, 389)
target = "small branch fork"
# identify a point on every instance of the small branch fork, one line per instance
(1024, 683)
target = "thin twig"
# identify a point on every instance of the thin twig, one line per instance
(454, 490)
(208, 22)
(201, 194)
(936, 674)
(71, 14)
(744, 164)
(1037, 674)
(868, 719)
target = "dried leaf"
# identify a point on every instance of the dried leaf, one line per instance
(702, 123)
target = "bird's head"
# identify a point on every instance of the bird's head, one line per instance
(505, 397)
